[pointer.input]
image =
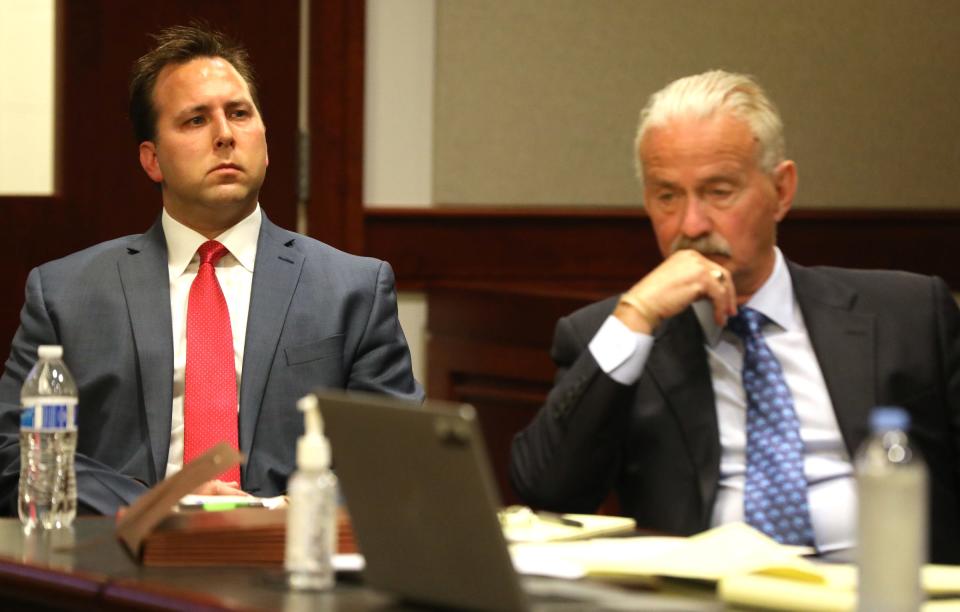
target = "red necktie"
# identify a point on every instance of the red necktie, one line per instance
(210, 386)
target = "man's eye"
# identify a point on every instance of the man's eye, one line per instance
(666, 201)
(198, 120)
(721, 197)
(241, 114)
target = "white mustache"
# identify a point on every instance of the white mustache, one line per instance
(711, 244)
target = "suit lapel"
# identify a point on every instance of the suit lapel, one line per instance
(146, 287)
(678, 365)
(844, 343)
(275, 277)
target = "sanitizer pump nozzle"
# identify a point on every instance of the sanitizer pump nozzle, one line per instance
(313, 449)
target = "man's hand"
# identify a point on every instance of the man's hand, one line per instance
(219, 487)
(683, 278)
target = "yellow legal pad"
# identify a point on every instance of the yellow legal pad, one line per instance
(521, 524)
(748, 568)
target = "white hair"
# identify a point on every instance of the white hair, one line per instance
(703, 95)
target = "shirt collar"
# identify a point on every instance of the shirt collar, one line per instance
(774, 300)
(183, 242)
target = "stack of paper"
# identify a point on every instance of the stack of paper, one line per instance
(828, 588)
(748, 568)
(244, 536)
(707, 557)
(239, 537)
(156, 532)
(521, 524)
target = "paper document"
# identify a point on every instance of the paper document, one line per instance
(749, 568)
(521, 524)
(831, 587)
(708, 556)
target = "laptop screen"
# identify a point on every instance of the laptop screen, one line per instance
(422, 499)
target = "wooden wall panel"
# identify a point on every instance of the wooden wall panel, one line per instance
(102, 191)
(498, 279)
(335, 210)
(488, 347)
(598, 250)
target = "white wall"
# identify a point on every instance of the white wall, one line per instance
(398, 103)
(398, 128)
(26, 97)
(536, 101)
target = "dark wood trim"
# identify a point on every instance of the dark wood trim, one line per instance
(47, 588)
(13, 202)
(102, 191)
(600, 250)
(59, 113)
(335, 212)
(488, 348)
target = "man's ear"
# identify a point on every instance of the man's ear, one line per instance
(785, 182)
(148, 160)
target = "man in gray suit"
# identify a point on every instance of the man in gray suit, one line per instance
(650, 399)
(302, 314)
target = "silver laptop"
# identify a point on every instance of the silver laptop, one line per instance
(423, 502)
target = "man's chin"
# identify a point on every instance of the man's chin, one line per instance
(229, 195)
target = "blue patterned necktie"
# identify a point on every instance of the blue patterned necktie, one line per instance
(775, 492)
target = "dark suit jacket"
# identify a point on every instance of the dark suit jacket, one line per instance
(318, 317)
(882, 338)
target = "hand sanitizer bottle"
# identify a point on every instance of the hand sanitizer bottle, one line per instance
(312, 514)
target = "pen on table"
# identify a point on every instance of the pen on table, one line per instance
(219, 506)
(553, 517)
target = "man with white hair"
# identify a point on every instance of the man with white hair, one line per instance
(729, 383)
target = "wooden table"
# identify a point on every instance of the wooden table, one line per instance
(85, 568)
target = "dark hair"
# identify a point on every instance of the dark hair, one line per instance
(179, 45)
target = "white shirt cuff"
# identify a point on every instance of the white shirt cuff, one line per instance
(620, 351)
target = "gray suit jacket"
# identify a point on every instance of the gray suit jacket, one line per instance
(880, 338)
(318, 317)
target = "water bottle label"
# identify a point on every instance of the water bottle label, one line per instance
(58, 415)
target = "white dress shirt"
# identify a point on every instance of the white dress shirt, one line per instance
(235, 275)
(622, 354)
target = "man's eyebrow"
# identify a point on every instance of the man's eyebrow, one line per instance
(721, 177)
(660, 183)
(193, 110)
(238, 102)
(200, 109)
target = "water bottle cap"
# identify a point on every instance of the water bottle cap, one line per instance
(885, 418)
(50, 351)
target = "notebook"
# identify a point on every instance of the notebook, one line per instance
(423, 504)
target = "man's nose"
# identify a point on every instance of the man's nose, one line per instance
(224, 135)
(696, 218)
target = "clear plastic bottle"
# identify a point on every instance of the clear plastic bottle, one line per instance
(312, 516)
(48, 443)
(892, 515)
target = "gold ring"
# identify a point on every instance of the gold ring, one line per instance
(718, 274)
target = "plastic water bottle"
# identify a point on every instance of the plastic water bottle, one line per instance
(48, 443)
(312, 515)
(892, 525)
